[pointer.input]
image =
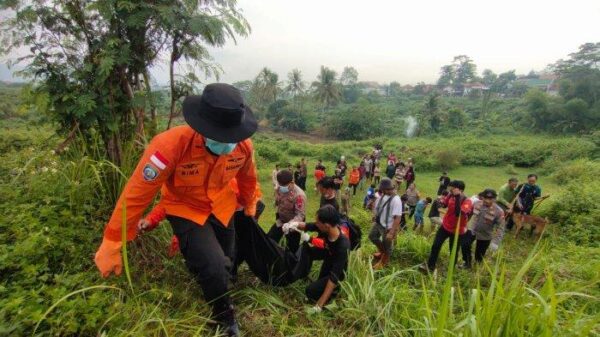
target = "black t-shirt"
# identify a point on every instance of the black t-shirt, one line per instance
(435, 209)
(333, 202)
(336, 262)
(444, 181)
(335, 255)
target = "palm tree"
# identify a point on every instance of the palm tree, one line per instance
(268, 86)
(295, 84)
(327, 89)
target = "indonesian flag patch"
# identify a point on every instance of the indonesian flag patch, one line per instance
(159, 160)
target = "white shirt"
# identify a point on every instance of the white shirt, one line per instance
(395, 209)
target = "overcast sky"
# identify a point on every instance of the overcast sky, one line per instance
(404, 41)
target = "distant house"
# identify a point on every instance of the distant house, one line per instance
(407, 88)
(475, 87)
(371, 86)
(545, 82)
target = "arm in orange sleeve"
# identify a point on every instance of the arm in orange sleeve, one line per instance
(154, 168)
(247, 180)
(156, 215)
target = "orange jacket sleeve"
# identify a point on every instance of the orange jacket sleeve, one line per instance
(246, 179)
(156, 215)
(153, 169)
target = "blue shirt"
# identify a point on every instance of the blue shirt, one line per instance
(420, 208)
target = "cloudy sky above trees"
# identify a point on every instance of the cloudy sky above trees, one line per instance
(405, 41)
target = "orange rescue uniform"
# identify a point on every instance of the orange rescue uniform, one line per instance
(194, 183)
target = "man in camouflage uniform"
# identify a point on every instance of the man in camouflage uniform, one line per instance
(290, 201)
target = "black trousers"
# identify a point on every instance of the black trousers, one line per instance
(315, 289)
(353, 188)
(411, 210)
(440, 237)
(292, 239)
(301, 182)
(208, 251)
(441, 189)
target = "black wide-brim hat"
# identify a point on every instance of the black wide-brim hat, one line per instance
(220, 114)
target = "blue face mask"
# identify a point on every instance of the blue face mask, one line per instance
(284, 189)
(219, 148)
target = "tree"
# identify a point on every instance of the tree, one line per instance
(394, 89)
(349, 76)
(457, 118)
(92, 58)
(285, 116)
(461, 71)
(431, 114)
(326, 89)
(465, 70)
(489, 77)
(503, 81)
(268, 82)
(580, 74)
(360, 121)
(295, 84)
(447, 76)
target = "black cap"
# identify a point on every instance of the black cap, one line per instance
(220, 114)
(489, 193)
(284, 177)
(458, 184)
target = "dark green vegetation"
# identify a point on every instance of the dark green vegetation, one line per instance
(93, 87)
(55, 206)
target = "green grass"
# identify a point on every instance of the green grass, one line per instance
(52, 225)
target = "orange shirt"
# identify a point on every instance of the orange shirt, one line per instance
(194, 183)
(354, 177)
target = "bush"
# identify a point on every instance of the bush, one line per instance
(580, 170)
(576, 210)
(448, 159)
(268, 152)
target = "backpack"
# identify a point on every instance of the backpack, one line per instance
(354, 231)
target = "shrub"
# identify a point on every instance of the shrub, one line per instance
(448, 159)
(576, 210)
(268, 152)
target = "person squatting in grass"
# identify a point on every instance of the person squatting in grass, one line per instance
(486, 226)
(420, 213)
(194, 164)
(459, 208)
(387, 213)
(332, 246)
(290, 202)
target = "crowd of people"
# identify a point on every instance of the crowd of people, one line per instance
(209, 193)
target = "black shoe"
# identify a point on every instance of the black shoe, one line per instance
(232, 330)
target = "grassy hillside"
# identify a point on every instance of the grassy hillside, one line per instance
(54, 209)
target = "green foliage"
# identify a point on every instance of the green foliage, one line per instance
(286, 116)
(91, 59)
(357, 122)
(457, 118)
(448, 159)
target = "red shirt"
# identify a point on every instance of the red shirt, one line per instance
(319, 174)
(450, 219)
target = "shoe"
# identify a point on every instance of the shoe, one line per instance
(423, 268)
(233, 329)
(382, 263)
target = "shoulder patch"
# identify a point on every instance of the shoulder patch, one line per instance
(150, 172)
